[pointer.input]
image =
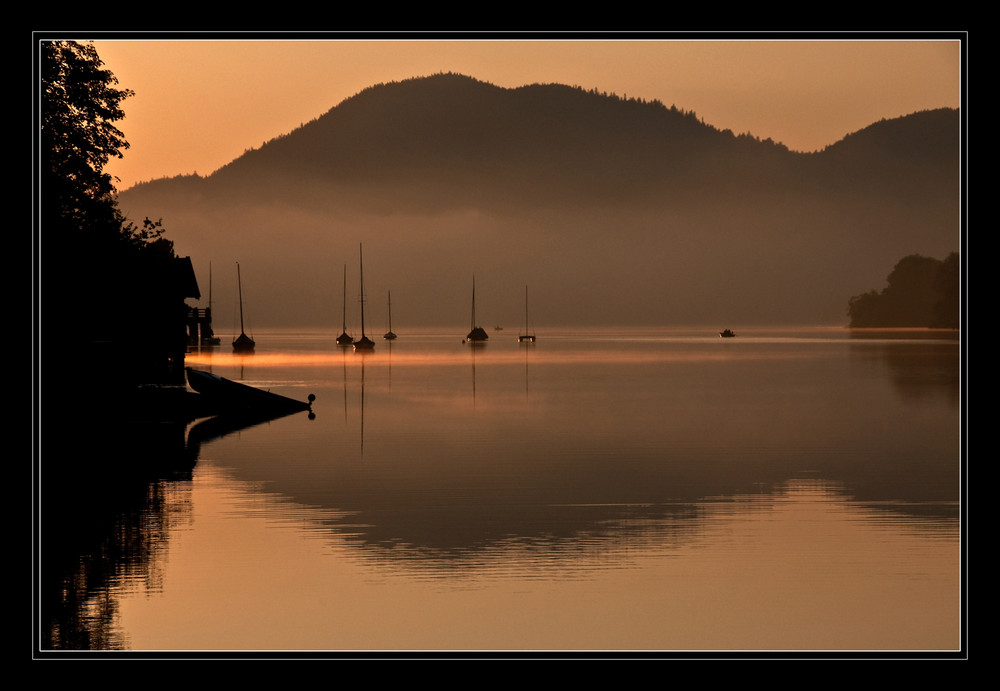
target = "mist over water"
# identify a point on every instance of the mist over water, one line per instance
(582, 270)
(628, 482)
(615, 211)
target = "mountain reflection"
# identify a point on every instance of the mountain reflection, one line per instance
(460, 459)
(561, 538)
(449, 462)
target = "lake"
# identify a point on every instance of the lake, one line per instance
(601, 491)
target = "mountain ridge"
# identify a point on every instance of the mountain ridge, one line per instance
(573, 178)
(449, 118)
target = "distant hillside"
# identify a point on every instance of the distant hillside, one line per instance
(472, 142)
(904, 156)
(620, 211)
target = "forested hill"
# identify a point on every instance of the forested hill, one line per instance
(470, 141)
(477, 141)
(587, 169)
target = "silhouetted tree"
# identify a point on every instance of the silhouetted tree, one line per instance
(864, 310)
(79, 106)
(948, 307)
(99, 271)
(921, 292)
(912, 292)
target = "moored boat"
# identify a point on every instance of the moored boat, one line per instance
(528, 336)
(230, 397)
(477, 334)
(389, 335)
(363, 343)
(208, 337)
(242, 343)
(344, 339)
(727, 333)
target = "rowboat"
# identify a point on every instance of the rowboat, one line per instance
(227, 396)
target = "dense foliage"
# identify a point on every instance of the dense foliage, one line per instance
(920, 292)
(104, 279)
(80, 104)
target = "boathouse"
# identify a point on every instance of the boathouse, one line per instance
(161, 316)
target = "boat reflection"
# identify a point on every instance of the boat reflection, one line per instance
(617, 452)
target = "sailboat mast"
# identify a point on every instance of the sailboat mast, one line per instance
(239, 287)
(477, 334)
(528, 335)
(345, 299)
(362, 261)
(242, 343)
(364, 343)
(389, 335)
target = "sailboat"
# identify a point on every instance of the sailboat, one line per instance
(477, 334)
(242, 343)
(208, 336)
(530, 337)
(344, 339)
(363, 343)
(389, 335)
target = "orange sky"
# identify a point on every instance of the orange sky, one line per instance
(201, 103)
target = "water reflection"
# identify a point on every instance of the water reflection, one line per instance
(577, 539)
(800, 568)
(639, 432)
(916, 370)
(104, 519)
(95, 551)
(108, 504)
(613, 457)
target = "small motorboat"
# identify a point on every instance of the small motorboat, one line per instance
(728, 333)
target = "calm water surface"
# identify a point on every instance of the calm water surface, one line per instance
(636, 490)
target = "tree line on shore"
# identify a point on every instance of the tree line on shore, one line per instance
(920, 292)
(110, 303)
(103, 273)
